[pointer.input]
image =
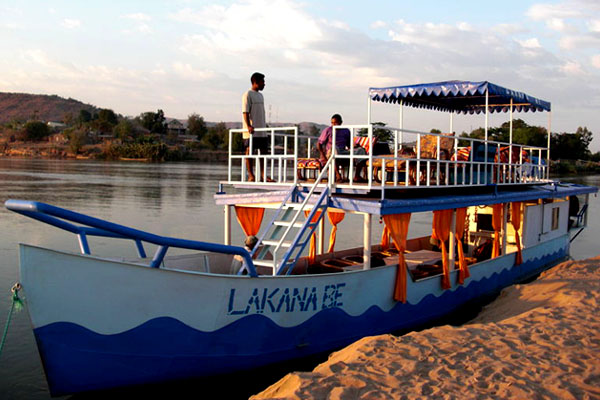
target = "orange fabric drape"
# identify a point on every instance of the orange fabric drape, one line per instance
(250, 219)
(515, 208)
(397, 225)
(463, 268)
(497, 224)
(441, 231)
(385, 238)
(335, 217)
(312, 252)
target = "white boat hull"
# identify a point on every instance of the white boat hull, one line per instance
(101, 323)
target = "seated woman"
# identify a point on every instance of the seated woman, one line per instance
(342, 145)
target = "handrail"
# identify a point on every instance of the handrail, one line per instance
(308, 220)
(58, 217)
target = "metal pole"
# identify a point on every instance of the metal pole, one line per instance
(227, 223)
(504, 226)
(367, 241)
(510, 141)
(321, 234)
(548, 152)
(487, 102)
(369, 109)
(451, 240)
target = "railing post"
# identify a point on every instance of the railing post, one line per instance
(272, 160)
(229, 160)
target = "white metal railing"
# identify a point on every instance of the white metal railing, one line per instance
(446, 160)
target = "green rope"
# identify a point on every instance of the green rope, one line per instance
(17, 305)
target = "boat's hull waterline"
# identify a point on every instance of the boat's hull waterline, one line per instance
(101, 324)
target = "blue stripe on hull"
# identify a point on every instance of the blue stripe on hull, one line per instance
(77, 359)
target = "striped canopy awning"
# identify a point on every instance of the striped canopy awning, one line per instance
(459, 96)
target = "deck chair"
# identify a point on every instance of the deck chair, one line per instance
(429, 151)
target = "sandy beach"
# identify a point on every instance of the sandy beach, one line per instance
(538, 340)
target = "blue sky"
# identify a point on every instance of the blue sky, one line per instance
(320, 57)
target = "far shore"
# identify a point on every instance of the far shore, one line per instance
(48, 150)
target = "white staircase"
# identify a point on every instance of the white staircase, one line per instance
(290, 229)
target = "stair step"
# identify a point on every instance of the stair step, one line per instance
(288, 223)
(293, 206)
(264, 263)
(276, 242)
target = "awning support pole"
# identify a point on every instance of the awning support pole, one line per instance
(504, 226)
(510, 141)
(487, 112)
(451, 242)
(369, 109)
(548, 152)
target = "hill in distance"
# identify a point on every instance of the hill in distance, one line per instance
(24, 106)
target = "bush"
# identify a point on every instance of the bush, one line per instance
(35, 130)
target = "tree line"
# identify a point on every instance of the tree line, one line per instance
(151, 128)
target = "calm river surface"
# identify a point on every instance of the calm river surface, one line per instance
(173, 199)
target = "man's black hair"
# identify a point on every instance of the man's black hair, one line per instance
(257, 77)
(337, 117)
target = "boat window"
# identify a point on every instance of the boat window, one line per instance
(555, 213)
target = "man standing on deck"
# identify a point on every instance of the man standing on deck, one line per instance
(253, 113)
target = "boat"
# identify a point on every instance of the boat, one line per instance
(102, 321)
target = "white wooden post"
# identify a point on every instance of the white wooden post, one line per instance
(227, 238)
(367, 241)
(321, 234)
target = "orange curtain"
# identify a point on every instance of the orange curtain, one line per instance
(250, 219)
(312, 252)
(335, 217)
(385, 238)
(463, 268)
(497, 224)
(397, 225)
(515, 208)
(441, 231)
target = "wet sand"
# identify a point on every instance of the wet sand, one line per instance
(539, 340)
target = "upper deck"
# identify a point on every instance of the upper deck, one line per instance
(396, 158)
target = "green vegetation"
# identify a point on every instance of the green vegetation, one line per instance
(35, 131)
(92, 132)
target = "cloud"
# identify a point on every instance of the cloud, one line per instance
(595, 61)
(378, 24)
(572, 68)
(186, 71)
(532, 43)
(140, 23)
(575, 20)
(71, 23)
(137, 16)
(250, 26)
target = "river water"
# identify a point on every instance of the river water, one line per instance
(174, 199)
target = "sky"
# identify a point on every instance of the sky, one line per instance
(319, 57)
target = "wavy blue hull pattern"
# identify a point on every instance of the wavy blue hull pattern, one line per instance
(77, 359)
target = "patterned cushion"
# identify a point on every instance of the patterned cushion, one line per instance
(429, 145)
(309, 163)
(363, 141)
(462, 155)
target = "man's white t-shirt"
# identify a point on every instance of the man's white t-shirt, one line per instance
(254, 104)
